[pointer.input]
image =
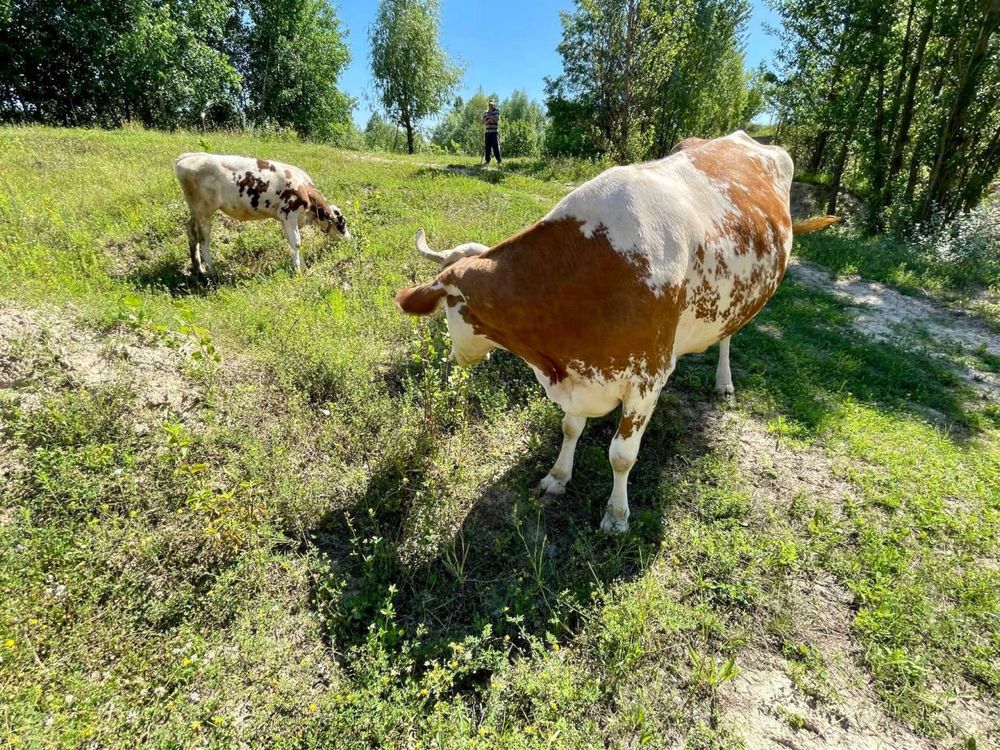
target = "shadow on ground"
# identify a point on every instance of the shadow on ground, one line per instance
(491, 174)
(504, 558)
(432, 570)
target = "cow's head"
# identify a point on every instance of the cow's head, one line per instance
(467, 346)
(329, 218)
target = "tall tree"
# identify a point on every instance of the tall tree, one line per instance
(162, 62)
(293, 53)
(638, 75)
(413, 76)
(912, 82)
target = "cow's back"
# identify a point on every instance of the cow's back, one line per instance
(741, 260)
(711, 220)
(637, 266)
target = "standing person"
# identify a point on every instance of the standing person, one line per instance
(491, 126)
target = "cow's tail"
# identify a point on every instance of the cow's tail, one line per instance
(813, 225)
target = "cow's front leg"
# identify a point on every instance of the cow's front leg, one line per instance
(623, 452)
(294, 239)
(554, 483)
(723, 375)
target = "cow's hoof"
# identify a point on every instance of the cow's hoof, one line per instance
(612, 525)
(551, 486)
(725, 392)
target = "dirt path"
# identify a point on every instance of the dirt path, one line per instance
(884, 314)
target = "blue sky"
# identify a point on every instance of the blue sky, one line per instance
(503, 45)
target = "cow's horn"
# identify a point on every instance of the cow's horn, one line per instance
(424, 249)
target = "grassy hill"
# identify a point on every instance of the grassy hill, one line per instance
(270, 513)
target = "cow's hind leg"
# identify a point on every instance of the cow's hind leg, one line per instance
(554, 483)
(192, 232)
(723, 375)
(623, 452)
(204, 240)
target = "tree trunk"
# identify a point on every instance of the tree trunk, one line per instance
(841, 163)
(906, 117)
(988, 163)
(407, 124)
(877, 170)
(950, 144)
(823, 137)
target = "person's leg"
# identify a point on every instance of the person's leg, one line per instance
(486, 148)
(496, 146)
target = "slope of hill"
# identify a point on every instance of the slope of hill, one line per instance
(270, 513)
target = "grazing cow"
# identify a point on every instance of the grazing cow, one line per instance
(627, 273)
(250, 189)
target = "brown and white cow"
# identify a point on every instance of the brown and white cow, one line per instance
(631, 270)
(250, 189)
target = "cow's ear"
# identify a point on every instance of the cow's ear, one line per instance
(420, 300)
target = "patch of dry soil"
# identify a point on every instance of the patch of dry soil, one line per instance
(763, 700)
(41, 348)
(883, 314)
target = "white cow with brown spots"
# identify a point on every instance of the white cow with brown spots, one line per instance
(250, 189)
(631, 270)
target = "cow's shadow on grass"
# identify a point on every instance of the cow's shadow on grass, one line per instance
(487, 173)
(409, 563)
(173, 274)
(802, 359)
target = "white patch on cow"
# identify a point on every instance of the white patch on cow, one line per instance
(467, 346)
(657, 211)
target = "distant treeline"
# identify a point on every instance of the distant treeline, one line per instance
(163, 62)
(897, 99)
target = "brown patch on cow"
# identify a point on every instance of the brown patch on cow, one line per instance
(318, 204)
(687, 144)
(263, 164)
(563, 301)
(253, 186)
(292, 200)
(420, 300)
(760, 223)
(453, 299)
(698, 260)
(629, 423)
(704, 300)
(288, 175)
(721, 267)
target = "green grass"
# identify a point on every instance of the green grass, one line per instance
(339, 544)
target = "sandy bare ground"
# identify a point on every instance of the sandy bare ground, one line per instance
(761, 699)
(883, 314)
(43, 350)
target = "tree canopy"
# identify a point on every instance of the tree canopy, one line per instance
(897, 99)
(413, 76)
(639, 75)
(163, 62)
